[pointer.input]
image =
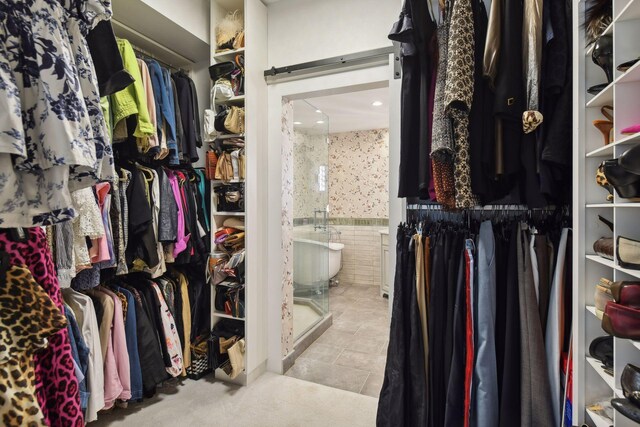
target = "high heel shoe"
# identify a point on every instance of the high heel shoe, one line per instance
(606, 126)
(602, 55)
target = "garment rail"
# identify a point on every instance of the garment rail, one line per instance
(148, 55)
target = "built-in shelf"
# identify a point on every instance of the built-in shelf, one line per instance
(636, 344)
(607, 150)
(227, 316)
(604, 97)
(222, 213)
(631, 75)
(229, 136)
(227, 55)
(599, 420)
(221, 182)
(611, 264)
(630, 12)
(235, 100)
(600, 260)
(597, 366)
(599, 205)
(592, 309)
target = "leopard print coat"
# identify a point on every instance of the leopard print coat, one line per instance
(27, 318)
(56, 382)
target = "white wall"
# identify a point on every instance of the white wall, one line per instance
(308, 30)
(190, 14)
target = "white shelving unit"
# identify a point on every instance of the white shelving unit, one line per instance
(591, 382)
(254, 102)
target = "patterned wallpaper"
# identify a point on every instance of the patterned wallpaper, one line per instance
(358, 172)
(287, 227)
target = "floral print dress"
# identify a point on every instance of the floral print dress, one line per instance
(53, 139)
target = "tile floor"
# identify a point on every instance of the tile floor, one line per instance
(351, 354)
(271, 401)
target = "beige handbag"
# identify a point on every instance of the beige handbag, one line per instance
(234, 123)
(242, 164)
(224, 168)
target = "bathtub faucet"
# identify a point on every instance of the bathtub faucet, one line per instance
(323, 224)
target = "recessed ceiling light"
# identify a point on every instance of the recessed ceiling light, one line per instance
(376, 103)
(297, 123)
(320, 122)
(319, 111)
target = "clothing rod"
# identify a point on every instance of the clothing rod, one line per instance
(137, 34)
(518, 208)
(151, 56)
(335, 61)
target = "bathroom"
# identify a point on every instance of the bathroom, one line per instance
(340, 234)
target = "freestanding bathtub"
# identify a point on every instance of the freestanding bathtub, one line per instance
(314, 262)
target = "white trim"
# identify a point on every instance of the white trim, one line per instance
(349, 81)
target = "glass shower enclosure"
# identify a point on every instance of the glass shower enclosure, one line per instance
(310, 212)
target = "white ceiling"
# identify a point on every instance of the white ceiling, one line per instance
(346, 112)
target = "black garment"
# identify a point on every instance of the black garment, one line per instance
(153, 311)
(188, 116)
(168, 216)
(415, 30)
(509, 99)
(200, 300)
(97, 305)
(149, 350)
(454, 414)
(141, 243)
(180, 130)
(544, 271)
(510, 379)
(437, 328)
(453, 247)
(482, 150)
(195, 108)
(110, 72)
(402, 398)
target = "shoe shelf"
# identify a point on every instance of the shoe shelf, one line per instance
(597, 366)
(591, 382)
(599, 420)
(254, 101)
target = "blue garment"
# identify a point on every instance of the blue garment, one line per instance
(165, 108)
(80, 353)
(130, 330)
(172, 141)
(485, 374)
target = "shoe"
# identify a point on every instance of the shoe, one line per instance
(626, 184)
(626, 293)
(606, 126)
(601, 180)
(630, 160)
(630, 382)
(601, 349)
(603, 294)
(630, 130)
(626, 65)
(628, 253)
(602, 55)
(594, 90)
(621, 321)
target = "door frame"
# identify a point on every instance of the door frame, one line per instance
(278, 94)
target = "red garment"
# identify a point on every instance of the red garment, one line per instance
(468, 366)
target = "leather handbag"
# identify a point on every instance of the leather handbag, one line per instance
(626, 293)
(628, 253)
(221, 118)
(621, 321)
(229, 198)
(224, 168)
(210, 165)
(234, 121)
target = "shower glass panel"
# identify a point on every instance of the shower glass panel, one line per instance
(311, 252)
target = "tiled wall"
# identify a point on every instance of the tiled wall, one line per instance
(360, 256)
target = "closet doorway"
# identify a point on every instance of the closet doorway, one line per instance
(340, 239)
